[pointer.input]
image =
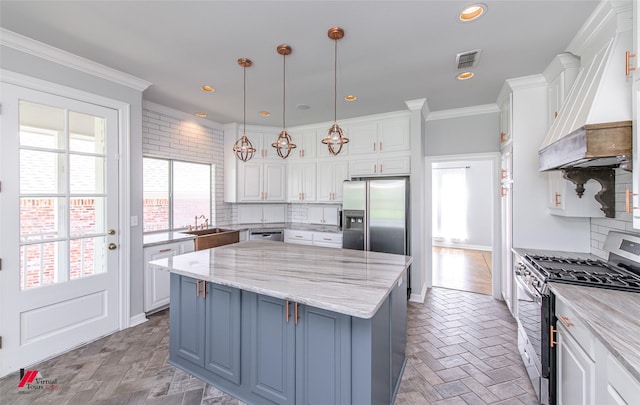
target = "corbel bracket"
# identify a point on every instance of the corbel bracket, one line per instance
(606, 176)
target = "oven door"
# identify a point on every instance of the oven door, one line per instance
(533, 339)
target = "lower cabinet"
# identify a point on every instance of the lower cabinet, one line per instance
(575, 369)
(297, 353)
(156, 281)
(265, 350)
(206, 317)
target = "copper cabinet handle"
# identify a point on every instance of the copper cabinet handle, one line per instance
(197, 288)
(296, 317)
(298, 236)
(303, 196)
(375, 168)
(628, 202)
(552, 330)
(286, 312)
(565, 321)
(374, 146)
(503, 174)
(557, 199)
(380, 146)
(502, 137)
(503, 191)
(326, 238)
(299, 196)
(302, 152)
(164, 250)
(380, 167)
(628, 55)
(266, 196)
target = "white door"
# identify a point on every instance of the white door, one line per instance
(58, 225)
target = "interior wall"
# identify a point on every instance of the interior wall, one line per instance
(463, 134)
(479, 181)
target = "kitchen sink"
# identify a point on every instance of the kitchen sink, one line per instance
(214, 237)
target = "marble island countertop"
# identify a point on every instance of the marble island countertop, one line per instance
(350, 282)
(612, 316)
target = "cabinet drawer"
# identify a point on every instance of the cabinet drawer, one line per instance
(575, 327)
(326, 237)
(622, 387)
(298, 235)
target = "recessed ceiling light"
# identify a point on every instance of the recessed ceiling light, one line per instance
(472, 12)
(200, 114)
(465, 75)
(303, 106)
(204, 87)
(265, 113)
(351, 97)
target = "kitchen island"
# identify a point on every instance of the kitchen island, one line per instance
(271, 322)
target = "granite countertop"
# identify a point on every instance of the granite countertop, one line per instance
(612, 316)
(160, 238)
(351, 282)
(152, 239)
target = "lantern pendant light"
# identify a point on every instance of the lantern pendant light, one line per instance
(243, 149)
(283, 143)
(335, 138)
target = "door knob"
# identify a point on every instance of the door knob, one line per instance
(111, 232)
(113, 246)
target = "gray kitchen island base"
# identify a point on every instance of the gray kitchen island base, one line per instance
(266, 350)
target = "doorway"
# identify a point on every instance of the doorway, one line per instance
(60, 284)
(463, 222)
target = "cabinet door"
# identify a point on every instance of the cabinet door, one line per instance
(156, 279)
(275, 183)
(250, 181)
(394, 165)
(187, 318)
(271, 348)
(506, 274)
(340, 174)
(294, 183)
(505, 119)
(363, 138)
(315, 215)
(308, 182)
(306, 145)
(222, 335)
(363, 167)
(330, 214)
(249, 214)
(323, 357)
(274, 213)
(393, 135)
(622, 387)
(576, 371)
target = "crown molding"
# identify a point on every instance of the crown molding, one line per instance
(463, 112)
(41, 50)
(415, 104)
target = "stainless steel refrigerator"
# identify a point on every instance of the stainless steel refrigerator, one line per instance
(375, 215)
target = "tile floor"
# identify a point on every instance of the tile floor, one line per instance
(461, 350)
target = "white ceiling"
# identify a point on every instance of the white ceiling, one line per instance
(393, 51)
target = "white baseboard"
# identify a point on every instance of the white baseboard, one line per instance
(137, 320)
(461, 245)
(419, 297)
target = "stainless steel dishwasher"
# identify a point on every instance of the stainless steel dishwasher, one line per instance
(267, 234)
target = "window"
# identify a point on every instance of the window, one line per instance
(174, 193)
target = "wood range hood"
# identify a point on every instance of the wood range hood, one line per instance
(591, 135)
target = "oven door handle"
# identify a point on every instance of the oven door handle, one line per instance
(533, 294)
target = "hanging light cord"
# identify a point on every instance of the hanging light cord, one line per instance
(335, 81)
(284, 92)
(244, 100)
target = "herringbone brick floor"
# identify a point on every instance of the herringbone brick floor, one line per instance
(461, 350)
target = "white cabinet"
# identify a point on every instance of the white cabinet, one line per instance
(323, 215)
(622, 388)
(505, 105)
(298, 237)
(156, 279)
(261, 181)
(331, 174)
(322, 150)
(302, 182)
(576, 371)
(256, 214)
(388, 135)
(380, 166)
(262, 142)
(306, 144)
(564, 201)
(325, 239)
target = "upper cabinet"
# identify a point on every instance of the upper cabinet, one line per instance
(306, 144)
(262, 142)
(390, 135)
(504, 103)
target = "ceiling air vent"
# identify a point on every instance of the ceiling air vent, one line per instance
(469, 59)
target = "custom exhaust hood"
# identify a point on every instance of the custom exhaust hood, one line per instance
(591, 134)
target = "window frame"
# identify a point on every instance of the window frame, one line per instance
(171, 227)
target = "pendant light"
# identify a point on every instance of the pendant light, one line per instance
(283, 143)
(243, 149)
(335, 138)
